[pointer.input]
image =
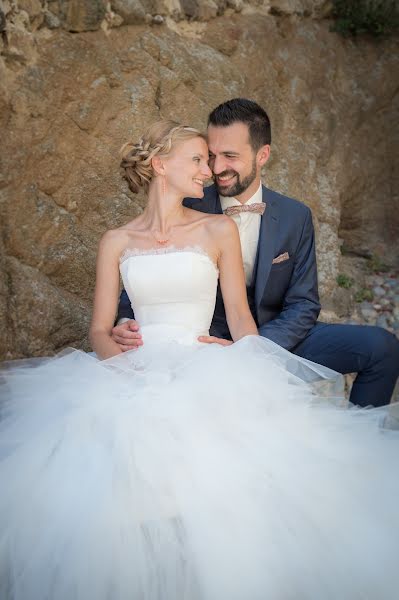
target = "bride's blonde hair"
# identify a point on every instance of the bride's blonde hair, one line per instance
(158, 140)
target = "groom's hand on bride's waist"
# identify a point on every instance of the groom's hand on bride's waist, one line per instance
(211, 339)
(127, 335)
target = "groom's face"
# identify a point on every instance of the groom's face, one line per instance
(233, 161)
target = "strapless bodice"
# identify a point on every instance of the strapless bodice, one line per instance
(172, 291)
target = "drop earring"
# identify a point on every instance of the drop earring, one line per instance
(163, 187)
(161, 240)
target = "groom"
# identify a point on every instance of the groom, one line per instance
(277, 240)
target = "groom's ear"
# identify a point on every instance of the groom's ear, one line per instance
(262, 156)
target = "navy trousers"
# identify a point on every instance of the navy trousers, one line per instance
(371, 352)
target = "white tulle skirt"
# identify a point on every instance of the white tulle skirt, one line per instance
(193, 472)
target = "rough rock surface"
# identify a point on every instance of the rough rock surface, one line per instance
(69, 100)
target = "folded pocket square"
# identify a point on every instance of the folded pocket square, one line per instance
(280, 258)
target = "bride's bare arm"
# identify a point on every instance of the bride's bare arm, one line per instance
(232, 280)
(106, 296)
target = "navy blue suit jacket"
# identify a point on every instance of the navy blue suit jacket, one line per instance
(286, 301)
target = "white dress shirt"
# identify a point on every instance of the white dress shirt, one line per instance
(248, 228)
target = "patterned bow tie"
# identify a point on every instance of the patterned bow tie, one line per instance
(257, 207)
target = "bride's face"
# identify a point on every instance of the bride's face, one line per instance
(186, 168)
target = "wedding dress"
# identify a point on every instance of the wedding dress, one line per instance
(187, 471)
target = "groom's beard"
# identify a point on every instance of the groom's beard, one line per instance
(239, 186)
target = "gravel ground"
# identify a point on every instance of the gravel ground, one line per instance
(382, 308)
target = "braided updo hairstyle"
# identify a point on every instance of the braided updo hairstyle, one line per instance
(158, 140)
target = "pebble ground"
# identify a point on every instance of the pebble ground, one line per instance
(382, 307)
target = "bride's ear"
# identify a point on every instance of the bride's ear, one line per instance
(158, 165)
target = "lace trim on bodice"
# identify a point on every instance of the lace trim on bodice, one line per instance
(128, 252)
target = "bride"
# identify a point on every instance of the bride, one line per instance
(182, 470)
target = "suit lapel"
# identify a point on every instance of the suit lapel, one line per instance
(218, 205)
(266, 245)
(212, 197)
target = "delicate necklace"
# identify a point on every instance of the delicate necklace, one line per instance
(161, 240)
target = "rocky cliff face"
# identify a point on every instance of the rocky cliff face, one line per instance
(79, 78)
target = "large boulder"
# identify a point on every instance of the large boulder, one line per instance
(69, 100)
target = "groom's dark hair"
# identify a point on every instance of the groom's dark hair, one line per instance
(242, 110)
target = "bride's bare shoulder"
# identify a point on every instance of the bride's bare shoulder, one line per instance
(209, 219)
(222, 225)
(131, 227)
(121, 237)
